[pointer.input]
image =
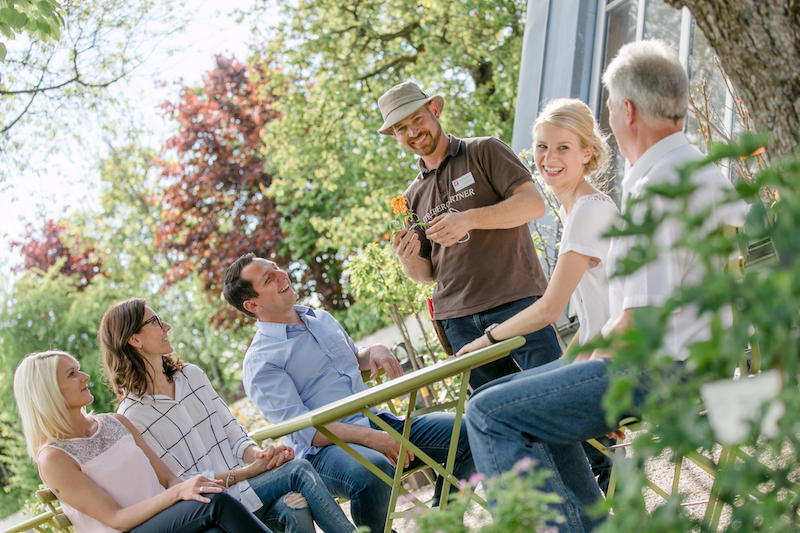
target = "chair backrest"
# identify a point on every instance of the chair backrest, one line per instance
(60, 520)
(54, 519)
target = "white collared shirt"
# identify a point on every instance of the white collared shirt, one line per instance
(195, 433)
(654, 283)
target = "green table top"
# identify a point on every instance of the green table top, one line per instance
(386, 391)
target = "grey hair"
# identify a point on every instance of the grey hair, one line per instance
(650, 75)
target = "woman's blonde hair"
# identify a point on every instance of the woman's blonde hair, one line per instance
(42, 407)
(574, 115)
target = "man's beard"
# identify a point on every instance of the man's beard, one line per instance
(436, 138)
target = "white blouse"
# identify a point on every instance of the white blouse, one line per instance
(591, 217)
(195, 433)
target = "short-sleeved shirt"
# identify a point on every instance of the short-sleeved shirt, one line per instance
(486, 268)
(653, 284)
(591, 217)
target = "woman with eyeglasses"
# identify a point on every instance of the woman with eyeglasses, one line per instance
(191, 428)
(105, 475)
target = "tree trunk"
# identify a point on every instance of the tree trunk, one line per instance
(758, 45)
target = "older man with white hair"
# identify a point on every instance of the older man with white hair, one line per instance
(545, 413)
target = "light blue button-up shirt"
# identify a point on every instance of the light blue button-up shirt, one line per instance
(290, 369)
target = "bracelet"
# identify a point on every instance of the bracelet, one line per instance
(488, 333)
(230, 479)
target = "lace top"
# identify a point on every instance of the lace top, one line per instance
(110, 458)
(597, 197)
(109, 431)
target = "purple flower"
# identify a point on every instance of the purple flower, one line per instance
(524, 464)
(406, 498)
(474, 479)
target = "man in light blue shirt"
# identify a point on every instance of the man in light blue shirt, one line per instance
(301, 359)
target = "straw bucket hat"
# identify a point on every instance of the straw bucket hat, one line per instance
(400, 101)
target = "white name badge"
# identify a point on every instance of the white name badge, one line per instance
(464, 181)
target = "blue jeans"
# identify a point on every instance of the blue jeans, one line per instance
(540, 347)
(224, 514)
(297, 476)
(545, 413)
(369, 496)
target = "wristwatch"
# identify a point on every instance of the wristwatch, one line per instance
(230, 479)
(488, 333)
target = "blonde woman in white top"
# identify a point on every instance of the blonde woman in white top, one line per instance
(568, 150)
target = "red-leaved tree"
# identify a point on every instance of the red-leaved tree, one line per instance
(42, 248)
(215, 205)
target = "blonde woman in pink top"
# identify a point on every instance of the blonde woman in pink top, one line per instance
(105, 475)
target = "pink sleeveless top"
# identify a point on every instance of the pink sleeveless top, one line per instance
(111, 459)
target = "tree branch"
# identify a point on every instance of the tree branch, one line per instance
(402, 60)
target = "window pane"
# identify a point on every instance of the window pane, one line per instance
(662, 22)
(707, 90)
(620, 30)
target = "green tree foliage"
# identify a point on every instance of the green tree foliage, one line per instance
(50, 87)
(124, 229)
(215, 206)
(336, 174)
(47, 310)
(42, 18)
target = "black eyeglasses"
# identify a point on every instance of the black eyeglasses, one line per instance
(155, 319)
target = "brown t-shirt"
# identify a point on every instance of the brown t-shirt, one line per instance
(488, 267)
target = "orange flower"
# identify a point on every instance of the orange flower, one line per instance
(759, 151)
(399, 205)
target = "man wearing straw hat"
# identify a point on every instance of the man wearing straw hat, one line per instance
(475, 197)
